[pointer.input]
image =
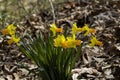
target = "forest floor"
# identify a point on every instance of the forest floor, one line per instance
(98, 63)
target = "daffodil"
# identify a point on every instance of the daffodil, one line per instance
(71, 42)
(54, 29)
(88, 30)
(60, 41)
(75, 29)
(94, 42)
(13, 40)
(4, 31)
(9, 30)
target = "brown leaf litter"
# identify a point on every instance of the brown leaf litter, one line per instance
(94, 63)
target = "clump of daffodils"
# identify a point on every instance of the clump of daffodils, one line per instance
(71, 41)
(55, 55)
(11, 31)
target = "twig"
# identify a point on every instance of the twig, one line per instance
(53, 11)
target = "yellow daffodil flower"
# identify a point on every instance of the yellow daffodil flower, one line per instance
(13, 40)
(92, 31)
(4, 31)
(60, 41)
(88, 30)
(94, 42)
(75, 29)
(54, 29)
(9, 30)
(72, 42)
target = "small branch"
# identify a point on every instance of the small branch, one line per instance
(53, 11)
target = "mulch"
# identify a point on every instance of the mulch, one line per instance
(98, 63)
